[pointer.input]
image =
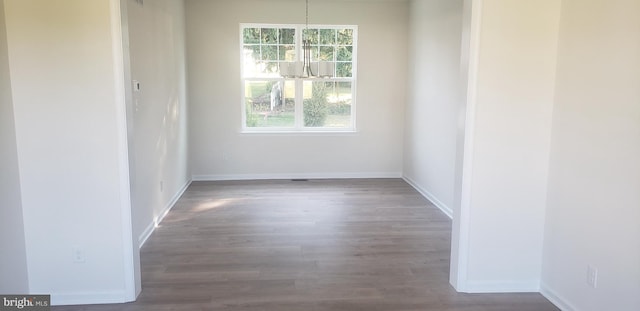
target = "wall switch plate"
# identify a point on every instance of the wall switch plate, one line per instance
(136, 86)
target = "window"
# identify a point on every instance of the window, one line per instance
(274, 103)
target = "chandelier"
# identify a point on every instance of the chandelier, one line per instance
(306, 68)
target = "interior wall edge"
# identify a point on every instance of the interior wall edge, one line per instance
(102, 297)
(221, 177)
(461, 223)
(131, 261)
(429, 196)
(163, 213)
(502, 286)
(556, 298)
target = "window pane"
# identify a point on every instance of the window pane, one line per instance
(326, 53)
(287, 52)
(287, 36)
(269, 52)
(251, 35)
(251, 51)
(314, 53)
(271, 69)
(344, 70)
(339, 105)
(269, 36)
(315, 102)
(270, 103)
(270, 99)
(251, 55)
(345, 37)
(345, 53)
(327, 36)
(311, 34)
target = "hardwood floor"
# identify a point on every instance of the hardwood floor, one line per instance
(318, 245)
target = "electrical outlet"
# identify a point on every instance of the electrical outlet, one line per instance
(592, 276)
(78, 254)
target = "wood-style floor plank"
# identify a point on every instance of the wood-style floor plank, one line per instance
(318, 245)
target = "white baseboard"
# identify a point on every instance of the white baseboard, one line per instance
(443, 207)
(485, 287)
(146, 233)
(296, 176)
(88, 298)
(556, 299)
(158, 219)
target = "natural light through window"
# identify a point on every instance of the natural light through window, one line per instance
(277, 102)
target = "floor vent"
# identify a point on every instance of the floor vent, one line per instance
(299, 180)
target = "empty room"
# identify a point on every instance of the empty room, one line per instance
(320, 155)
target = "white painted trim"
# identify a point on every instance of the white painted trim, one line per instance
(560, 302)
(481, 287)
(217, 177)
(146, 233)
(298, 126)
(89, 298)
(130, 293)
(460, 283)
(429, 196)
(144, 236)
(321, 131)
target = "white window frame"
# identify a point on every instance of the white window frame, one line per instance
(299, 114)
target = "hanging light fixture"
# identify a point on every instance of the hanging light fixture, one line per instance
(306, 68)
(306, 47)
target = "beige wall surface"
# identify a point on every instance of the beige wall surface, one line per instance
(13, 260)
(220, 151)
(435, 98)
(159, 112)
(593, 216)
(507, 175)
(67, 121)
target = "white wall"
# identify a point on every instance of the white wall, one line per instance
(159, 138)
(218, 150)
(593, 215)
(13, 258)
(69, 125)
(502, 216)
(435, 99)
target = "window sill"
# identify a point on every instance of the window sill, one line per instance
(324, 132)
